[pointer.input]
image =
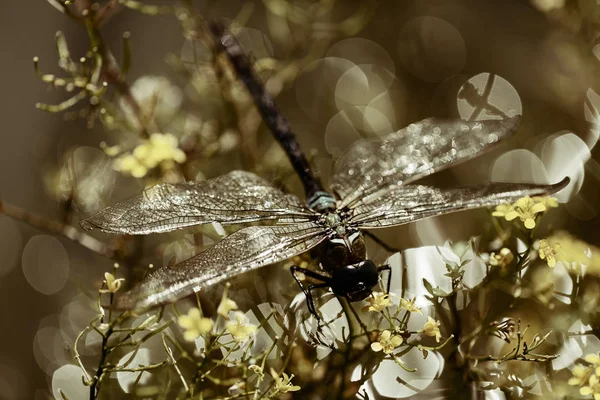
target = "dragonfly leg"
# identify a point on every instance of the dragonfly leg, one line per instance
(380, 242)
(308, 291)
(389, 277)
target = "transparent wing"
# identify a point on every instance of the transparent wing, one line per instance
(418, 150)
(249, 248)
(403, 204)
(237, 197)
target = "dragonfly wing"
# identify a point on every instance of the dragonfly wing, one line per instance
(247, 249)
(418, 150)
(403, 204)
(237, 197)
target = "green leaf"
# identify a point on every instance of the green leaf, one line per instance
(435, 292)
(428, 286)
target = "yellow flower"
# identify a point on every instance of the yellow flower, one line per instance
(157, 149)
(595, 361)
(409, 305)
(387, 342)
(526, 208)
(575, 253)
(226, 305)
(283, 384)
(112, 284)
(501, 259)
(581, 374)
(130, 164)
(592, 388)
(505, 210)
(549, 251)
(377, 302)
(432, 328)
(257, 370)
(194, 324)
(240, 330)
(110, 151)
(548, 201)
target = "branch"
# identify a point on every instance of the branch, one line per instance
(58, 228)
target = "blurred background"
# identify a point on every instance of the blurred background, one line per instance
(411, 60)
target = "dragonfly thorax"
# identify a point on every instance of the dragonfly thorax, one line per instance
(342, 249)
(355, 282)
(321, 202)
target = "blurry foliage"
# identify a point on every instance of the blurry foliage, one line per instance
(480, 330)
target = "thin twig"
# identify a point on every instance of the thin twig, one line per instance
(58, 228)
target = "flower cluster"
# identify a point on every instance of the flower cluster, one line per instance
(575, 253)
(550, 250)
(502, 259)
(409, 305)
(194, 324)
(226, 305)
(377, 302)
(432, 328)
(387, 342)
(527, 209)
(587, 377)
(159, 148)
(241, 330)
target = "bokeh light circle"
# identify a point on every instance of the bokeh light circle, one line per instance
(87, 176)
(75, 315)
(315, 86)
(391, 380)
(68, 379)
(134, 359)
(488, 96)
(351, 125)
(592, 115)
(431, 48)
(564, 154)
(49, 348)
(361, 84)
(362, 51)
(519, 165)
(45, 264)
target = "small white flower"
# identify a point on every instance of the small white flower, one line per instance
(226, 305)
(432, 328)
(377, 302)
(240, 330)
(194, 324)
(112, 284)
(283, 384)
(387, 342)
(409, 305)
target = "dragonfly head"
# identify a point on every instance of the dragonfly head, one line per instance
(355, 281)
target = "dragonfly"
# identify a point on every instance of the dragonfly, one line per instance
(373, 186)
